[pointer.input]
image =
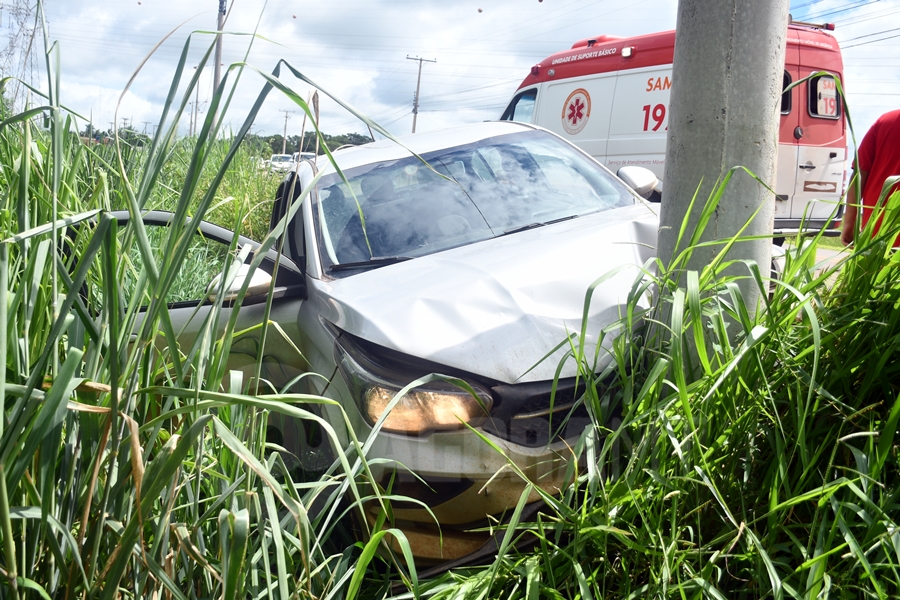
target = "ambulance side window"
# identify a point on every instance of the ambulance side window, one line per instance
(824, 102)
(521, 108)
(786, 96)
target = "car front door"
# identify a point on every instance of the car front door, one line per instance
(194, 308)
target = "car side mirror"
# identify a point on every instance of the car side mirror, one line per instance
(260, 283)
(643, 181)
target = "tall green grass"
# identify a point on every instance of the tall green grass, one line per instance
(130, 465)
(734, 453)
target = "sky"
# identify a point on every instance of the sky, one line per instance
(358, 49)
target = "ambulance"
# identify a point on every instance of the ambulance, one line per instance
(610, 96)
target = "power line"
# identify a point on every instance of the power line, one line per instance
(872, 42)
(859, 37)
(845, 8)
(877, 15)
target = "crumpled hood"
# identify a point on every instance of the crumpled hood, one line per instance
(496, 308)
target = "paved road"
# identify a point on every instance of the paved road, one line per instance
(826, 257)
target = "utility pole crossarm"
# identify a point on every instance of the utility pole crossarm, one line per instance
(418, 84)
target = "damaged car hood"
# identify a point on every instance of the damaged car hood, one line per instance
(497, 308)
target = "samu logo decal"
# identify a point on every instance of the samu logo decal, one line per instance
(576, 111)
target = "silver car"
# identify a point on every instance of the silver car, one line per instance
(469, 260)
(281, 163)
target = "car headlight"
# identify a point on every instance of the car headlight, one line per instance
(434, 406)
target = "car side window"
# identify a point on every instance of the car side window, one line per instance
(823, 98)
(205, 259)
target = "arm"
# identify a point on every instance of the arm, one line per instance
(850, 214)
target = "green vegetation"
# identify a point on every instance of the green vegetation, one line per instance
(130, 466)
(733, 454)
(272, 144)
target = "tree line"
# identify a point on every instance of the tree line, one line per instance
(261, 144)
(272, 144)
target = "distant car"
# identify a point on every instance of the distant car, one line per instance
(281, 163)
(474, 265)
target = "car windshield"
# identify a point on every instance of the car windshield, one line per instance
(281, 158)
(400, 209)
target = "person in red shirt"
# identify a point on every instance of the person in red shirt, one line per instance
(879, 158)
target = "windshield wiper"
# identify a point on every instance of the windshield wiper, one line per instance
(536, 225)
(522, 228)
(375, 261)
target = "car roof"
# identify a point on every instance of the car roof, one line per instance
(422, 143)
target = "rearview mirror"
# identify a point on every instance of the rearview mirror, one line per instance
(260, 283)
(643, 181)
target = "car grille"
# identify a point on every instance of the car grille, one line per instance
(530, 414)
(435, 491)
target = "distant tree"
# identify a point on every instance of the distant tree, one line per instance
(271, 144)
(259, 146)
(333, 141)
(87, 131)
(275, 143)
(93, 132)
(354, 139)
(133, 137)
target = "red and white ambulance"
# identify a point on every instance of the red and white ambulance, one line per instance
(610, 96)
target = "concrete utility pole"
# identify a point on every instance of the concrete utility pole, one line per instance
(418, 84)
(287, 115)
(217, 70)
(220, 25)
(727, 79)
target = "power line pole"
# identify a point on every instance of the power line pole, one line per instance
(196, 111)
(418, 85)
(221, 25)
(17, 58)
(145, 123)
(287, 115)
